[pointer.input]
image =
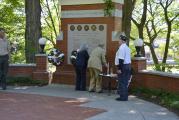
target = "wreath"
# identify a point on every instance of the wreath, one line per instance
(56, 57)
(73, 57)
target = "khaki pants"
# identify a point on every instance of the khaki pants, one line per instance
(95, 80)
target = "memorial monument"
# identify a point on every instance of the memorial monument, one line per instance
(84, 21)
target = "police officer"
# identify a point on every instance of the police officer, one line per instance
(4, 57)
(123, 63)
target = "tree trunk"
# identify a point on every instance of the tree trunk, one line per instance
(33, 29)
(166, 46)
(127, 15)
(142, 24)
(155, 59)
(169, 29)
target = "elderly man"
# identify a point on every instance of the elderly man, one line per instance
(95, 63)
(123, 63)
(4, 57)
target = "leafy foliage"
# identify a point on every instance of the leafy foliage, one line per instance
(109, 7)
(160, 25)
(50, 21)
(25, 81)
(13, 21)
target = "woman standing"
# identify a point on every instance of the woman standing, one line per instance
(4, 57)
(81, 66)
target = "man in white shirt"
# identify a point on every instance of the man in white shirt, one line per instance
(4, 57)
(123, 63)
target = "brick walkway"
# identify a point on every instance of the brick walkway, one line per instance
(15, 106)
(49, 103)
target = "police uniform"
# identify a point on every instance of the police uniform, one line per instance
(123, 61)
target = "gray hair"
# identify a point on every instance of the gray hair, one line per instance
(83, 46)
(101, 45)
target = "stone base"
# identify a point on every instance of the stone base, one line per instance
(139, 63)
(41, 75)
(64, 77)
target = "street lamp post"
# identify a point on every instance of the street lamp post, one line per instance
(42, 43)
(138, 45)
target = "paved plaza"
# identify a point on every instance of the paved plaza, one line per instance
(97, 106)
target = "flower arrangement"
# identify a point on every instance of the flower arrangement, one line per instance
(56, 57)
(73, 57)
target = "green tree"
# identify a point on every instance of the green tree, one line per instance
(50, 20)
(12, 20)
(158, 24)
(140, 22)
(169, 18)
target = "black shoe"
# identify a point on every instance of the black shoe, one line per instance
(100, 91)
(120, 99)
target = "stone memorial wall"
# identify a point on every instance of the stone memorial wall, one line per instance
(83, 21)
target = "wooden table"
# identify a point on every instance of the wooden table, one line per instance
(109, 77)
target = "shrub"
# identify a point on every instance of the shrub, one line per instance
(25, 81)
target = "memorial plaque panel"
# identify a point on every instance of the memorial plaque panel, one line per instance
(91, 34)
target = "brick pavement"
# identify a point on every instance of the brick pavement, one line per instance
(16, 106)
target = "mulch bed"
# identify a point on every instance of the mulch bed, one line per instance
(15, 106)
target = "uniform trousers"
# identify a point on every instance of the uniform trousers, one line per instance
(124, 78)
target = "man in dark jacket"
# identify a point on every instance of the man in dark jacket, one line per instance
(81, 66)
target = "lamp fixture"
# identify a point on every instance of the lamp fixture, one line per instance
(138, 43)
(42, 43)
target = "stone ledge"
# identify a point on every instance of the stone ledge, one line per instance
(139, 58)
(22, 65)
(172, 75)
(40, 54)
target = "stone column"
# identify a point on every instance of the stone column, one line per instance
(139, 63)
(41, 71)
